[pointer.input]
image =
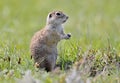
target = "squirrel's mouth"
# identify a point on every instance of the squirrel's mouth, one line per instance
(65, 19)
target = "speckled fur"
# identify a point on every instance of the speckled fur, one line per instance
(43, 45)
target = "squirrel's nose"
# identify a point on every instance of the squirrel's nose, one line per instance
(67, 17)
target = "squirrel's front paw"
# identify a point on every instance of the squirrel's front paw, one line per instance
(68, 36)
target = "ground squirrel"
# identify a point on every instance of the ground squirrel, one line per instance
(43, 45)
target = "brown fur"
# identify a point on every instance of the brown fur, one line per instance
(43, 45)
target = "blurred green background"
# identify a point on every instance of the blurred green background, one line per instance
(91, 21)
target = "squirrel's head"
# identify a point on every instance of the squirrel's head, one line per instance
(56, 17)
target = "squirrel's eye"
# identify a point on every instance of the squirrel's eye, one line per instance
(50, 15)
(58, 14)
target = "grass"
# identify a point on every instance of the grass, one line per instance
(92, 55)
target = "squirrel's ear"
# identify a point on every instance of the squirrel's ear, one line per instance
(50, 15)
